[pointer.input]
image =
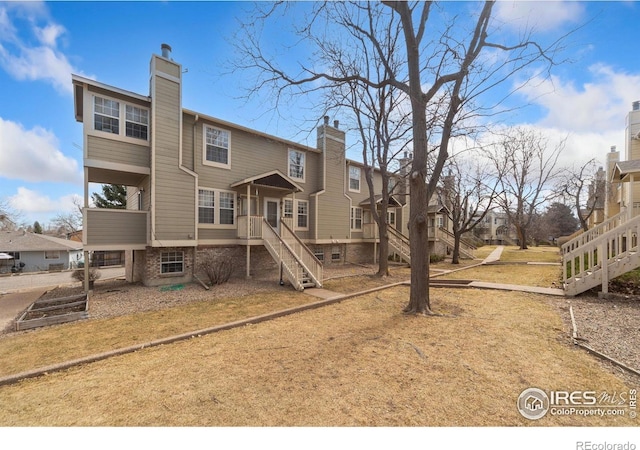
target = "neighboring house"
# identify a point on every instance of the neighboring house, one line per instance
(37, 252)
(495, 230)
(197, 184)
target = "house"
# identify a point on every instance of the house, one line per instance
(37, 252)
(610, 248)
(200, 185)
(494, 229)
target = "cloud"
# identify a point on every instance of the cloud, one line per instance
(536, 15)
(36, 56)
(599, 105)
(34, 203)
(33, 155)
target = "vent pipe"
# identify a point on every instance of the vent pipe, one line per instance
(326, 120)
(635, 105)
(166, 50)
(336, 124)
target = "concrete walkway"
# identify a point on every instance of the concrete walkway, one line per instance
(494, 255)
(13, 304)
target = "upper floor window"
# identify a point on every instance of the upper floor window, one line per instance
(354, 178)
(391, 217)
(107, 114)
(216, 147)
(296, 164)
(137, 122)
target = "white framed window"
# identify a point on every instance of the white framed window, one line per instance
(216, 207)
(288, 208)
(206, 206)
(107, 113)
(217, 145)
(318, 252)
(303, 214)
(440, 221)
(296, 164)
(354, 178)
(136, 122)
(391, 217)
(356, 218)
(52, 254)
(227, 208)
(335, 253)
(172, 262)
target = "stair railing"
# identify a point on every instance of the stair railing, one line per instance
(400, 243)
(283, 255)
(306, 257)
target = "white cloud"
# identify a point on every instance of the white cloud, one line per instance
(34, 203)
(33, 155)
(537, 15)
(38, 60)
(599, 105)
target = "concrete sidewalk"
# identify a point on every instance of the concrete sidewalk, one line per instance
(13, 304)
(494, 255)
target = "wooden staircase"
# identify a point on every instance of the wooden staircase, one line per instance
(601, 254)
(299, 265)
(466, 249)
(400, 244)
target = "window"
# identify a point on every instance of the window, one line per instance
(391, 217)
(296, 164)
(288, 208)
(53, 254)
(356, 218)
(227, 208)
(335, 253)
(440, 222)
(137, 122)
(318, 252)
(206, 206)
(216, 207)
(106, 115)
(16, 255)
(216, 151)
(303, 214)
(354, 178)
(172, 262)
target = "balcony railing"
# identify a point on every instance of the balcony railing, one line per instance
(255, 227)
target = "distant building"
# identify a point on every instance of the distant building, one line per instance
(38, 252)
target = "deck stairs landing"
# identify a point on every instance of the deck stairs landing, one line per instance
(299, 264)
(601, 254)
(399, 243)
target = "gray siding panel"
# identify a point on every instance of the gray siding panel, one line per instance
(113, 227)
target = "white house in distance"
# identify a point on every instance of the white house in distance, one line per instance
(38, 252)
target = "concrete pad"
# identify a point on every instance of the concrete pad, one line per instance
(517, 287)
(13, 304)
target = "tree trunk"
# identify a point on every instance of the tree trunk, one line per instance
(383, 250)
(523, 238)
(456, 248)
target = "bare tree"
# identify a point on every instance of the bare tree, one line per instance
(9, 217)
(442, 75)
(528, 167)
(585, 188)
(469, 191)
(71, 221)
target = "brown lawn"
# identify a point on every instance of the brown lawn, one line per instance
(357, 363)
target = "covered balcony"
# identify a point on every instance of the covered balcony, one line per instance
(115, 229)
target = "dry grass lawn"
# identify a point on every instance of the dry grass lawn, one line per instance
(532, 254)
(522, 274)
(357, 363)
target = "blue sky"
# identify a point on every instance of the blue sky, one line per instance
(42, 44)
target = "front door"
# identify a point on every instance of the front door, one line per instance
(272, 212)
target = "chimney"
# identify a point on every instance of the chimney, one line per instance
(635, 106)
(166, 51)
(613, 149)
(326, 120)
(336, 124)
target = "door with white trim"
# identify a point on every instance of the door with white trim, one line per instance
(272, 212)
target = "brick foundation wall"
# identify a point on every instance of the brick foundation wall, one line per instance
(151, 274)
(261, 260)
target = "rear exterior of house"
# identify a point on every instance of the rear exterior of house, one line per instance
(197, 184)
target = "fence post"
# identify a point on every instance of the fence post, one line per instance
(604, 264)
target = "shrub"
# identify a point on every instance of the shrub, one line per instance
(217, 268)
(94, 274)
(435, 258)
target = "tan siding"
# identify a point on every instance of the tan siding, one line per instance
(168, 67)
(187, 141)
(208, 233)
(174, 189)
(112, 227)
(110, 150)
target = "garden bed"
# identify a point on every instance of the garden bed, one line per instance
(53, 311)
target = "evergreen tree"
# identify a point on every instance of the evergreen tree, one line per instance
(114, 196)
(37, 228)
